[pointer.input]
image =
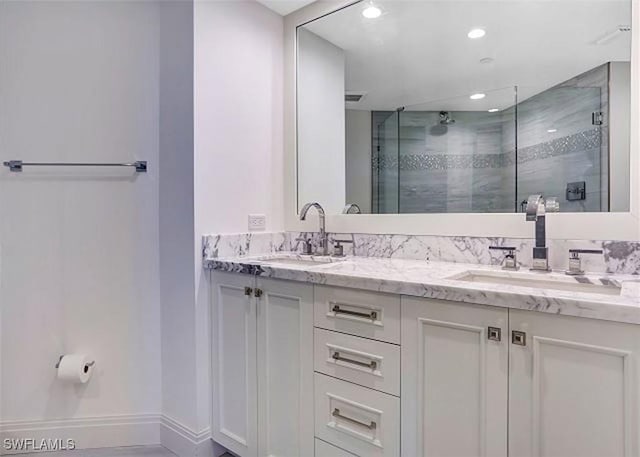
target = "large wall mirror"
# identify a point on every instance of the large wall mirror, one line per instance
(465, 106)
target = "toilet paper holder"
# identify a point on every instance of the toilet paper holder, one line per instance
(90, 364)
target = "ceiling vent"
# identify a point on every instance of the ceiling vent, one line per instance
(353, 97)
(617, 32)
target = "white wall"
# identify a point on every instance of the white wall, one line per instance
(238, 105)
(176, 215)
(238, 136)
(79, 248)
(321, 122)
(108, 262)
(358, 158)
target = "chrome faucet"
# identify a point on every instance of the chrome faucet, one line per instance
(537, 208)
(351, 208)
(324, 239)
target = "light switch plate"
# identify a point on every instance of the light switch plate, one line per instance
(257, 222)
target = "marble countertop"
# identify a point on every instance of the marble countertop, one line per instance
(441, 280)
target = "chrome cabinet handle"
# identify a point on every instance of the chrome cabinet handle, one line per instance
(519, 338)
(373, 364)
(494, 334)
(370, 426)
(373, 315)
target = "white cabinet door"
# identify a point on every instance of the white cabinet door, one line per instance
(234, 377)
(285, 368)
(573, 387)
(454, 379)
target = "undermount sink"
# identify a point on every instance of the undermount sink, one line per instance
(300, 260)
(541, 281)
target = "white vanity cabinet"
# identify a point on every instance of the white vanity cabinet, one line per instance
(573, 387)
(454, 379)
(357, 364)
(262, 365)
(300, 369)
(553, 386)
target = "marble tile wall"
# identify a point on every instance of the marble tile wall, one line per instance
(617, 257)
(244, 244)
(470, 165)
(558, 144)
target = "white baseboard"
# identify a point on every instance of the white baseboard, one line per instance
(183, 441)
(87, 433)
(114, 431)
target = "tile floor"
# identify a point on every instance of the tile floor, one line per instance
(135, 451)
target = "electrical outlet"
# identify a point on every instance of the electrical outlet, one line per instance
(257, 222)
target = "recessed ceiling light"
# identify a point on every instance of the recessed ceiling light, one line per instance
(493, 110)
(371, 12)
(476, 33)
(477, 96)
(552, 130)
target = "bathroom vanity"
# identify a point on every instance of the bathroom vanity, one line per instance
(386, 357)
(448, 120)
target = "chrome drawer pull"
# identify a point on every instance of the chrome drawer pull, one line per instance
(373, 364)
(336, 413)
(373, 315)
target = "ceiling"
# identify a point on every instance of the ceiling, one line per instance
(418, 52)
(284, 7)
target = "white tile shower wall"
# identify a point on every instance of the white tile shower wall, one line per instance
(617, 257)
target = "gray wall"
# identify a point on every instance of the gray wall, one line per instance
(358, 158)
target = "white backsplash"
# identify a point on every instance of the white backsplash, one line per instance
(244, 244)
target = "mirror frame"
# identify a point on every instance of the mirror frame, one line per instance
(574, 226)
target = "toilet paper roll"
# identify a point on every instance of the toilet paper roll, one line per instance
(76, 368)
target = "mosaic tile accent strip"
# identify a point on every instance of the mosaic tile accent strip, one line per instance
(583, 141)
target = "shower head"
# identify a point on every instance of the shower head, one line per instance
(445, 118)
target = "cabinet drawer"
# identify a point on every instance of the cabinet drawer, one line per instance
(363, 361)
(362, 421)
(323, 449)
(358, 312)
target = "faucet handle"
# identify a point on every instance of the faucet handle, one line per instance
(307, 248)
(338, 249)
(575, 264)
(509, 262)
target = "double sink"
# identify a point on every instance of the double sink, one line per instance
(535, 280)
